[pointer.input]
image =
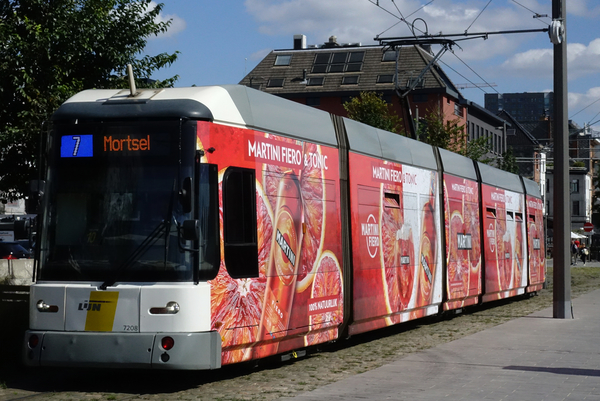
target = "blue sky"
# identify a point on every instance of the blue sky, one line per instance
(221, 41)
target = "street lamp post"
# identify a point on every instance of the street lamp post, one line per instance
(562, 266)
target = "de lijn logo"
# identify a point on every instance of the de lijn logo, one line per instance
(100, 308)
(92, 305)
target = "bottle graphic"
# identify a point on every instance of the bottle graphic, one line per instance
(427, 248)
(283, 265)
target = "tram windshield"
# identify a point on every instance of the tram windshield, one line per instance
(112, 207)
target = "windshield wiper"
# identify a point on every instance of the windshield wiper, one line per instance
(147, 242)
(139, 251)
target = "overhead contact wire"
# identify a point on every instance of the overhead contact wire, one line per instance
(535, 15)
(462, 76)
(475, 72)
(467, 30)
(588, 106)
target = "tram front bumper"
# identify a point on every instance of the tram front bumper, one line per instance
(189, 351)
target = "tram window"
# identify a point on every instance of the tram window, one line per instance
(239, 222)
(532, 217)
(519, 217)
(208, 207)
(392, 200)
(490, 213)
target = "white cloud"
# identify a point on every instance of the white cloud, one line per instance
(586, 105)
(177, 23)
(532, 62)
(361, 21)
(349, 20)
(583, 8)
(582, 61)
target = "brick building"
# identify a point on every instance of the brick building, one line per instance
(328, 75)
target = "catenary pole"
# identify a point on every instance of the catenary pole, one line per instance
(562, 216)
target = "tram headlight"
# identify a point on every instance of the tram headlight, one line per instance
(172, 308)
(44, 307)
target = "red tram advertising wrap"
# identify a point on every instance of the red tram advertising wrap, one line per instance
(192, 228)
(297, 298)
(535, 240)
(463, 241)
(396, 247)
(504, 243)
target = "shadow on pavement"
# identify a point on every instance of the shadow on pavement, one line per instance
(558, 371)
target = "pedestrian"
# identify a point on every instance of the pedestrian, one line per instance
(584, 254)
(574, 252)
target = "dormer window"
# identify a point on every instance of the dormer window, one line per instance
(350, 80)
(385, 79)
(390, 55)
(283, 59)
(338, 62)
(275, 83)
(317, 81)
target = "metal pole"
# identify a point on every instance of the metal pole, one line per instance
(562, 216)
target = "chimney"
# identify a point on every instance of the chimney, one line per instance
(299, 42)
(332, 42)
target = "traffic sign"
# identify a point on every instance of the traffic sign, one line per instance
(588, 227)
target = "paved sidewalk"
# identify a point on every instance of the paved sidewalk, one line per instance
(530, 358)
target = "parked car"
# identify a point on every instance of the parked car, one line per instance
(28, 245)
(13, 250)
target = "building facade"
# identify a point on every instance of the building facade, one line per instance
(481, 123)
(528, 151)
(524, 107)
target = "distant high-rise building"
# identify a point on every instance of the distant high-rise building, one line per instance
(524, 107)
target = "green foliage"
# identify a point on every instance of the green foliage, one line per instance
(579, 164)
(50, 50)
(371, 109)
(509, 162)
(450, 135)
(447, 135)
(477, 149)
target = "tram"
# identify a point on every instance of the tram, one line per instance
(190, 228)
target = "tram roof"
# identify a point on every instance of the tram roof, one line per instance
(458, 165)
(228, 104)
(383, 144)
(500, 178)
(532, 188)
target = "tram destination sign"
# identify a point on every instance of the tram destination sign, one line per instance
(82, 146)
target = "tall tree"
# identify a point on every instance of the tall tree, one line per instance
(478, 149)
(452, 136)
(509, 162)
(50, 50)
(434, 131)
(371, 109)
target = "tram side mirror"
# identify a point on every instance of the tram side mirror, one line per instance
(37, 187)
(36, 191)
(191, 230)
(186, 195)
